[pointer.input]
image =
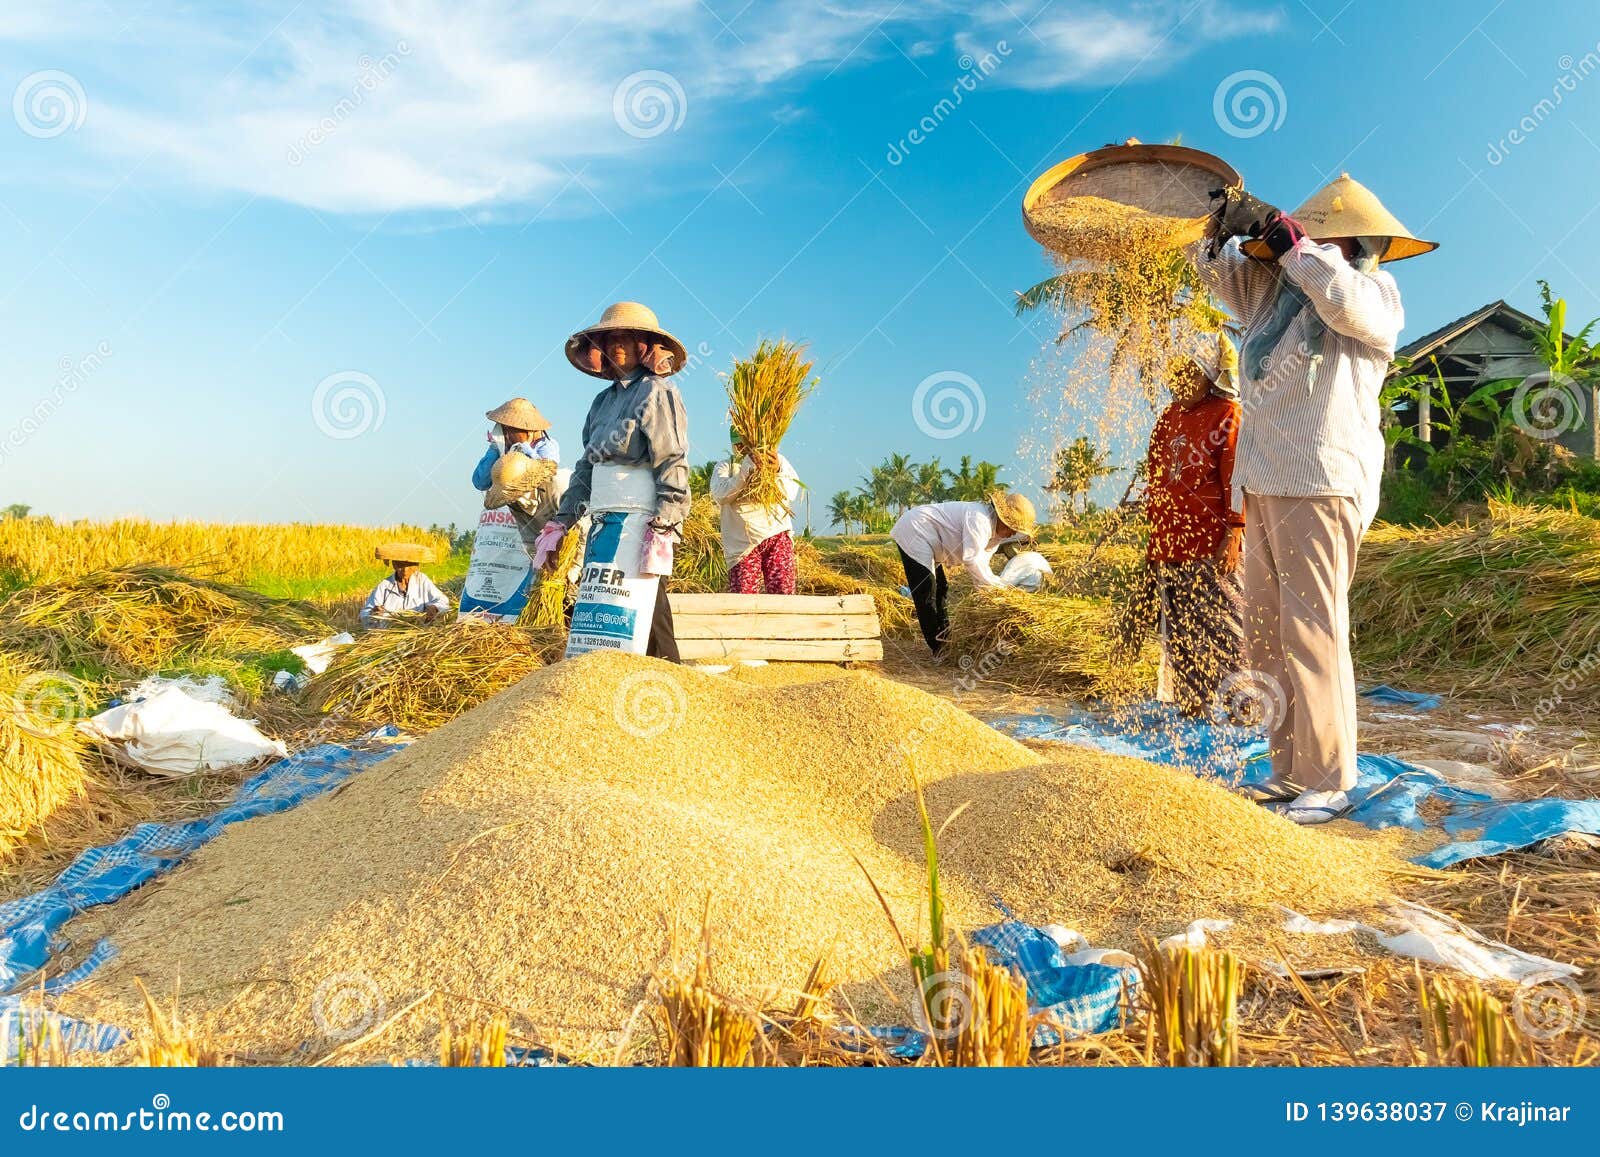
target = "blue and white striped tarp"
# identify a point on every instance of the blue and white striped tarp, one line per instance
(105, 874)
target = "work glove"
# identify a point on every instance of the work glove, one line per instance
(656, 558)
(548, 542)
(1281, 234)
(1236, 213)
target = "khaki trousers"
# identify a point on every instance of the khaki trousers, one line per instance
(1299, 556)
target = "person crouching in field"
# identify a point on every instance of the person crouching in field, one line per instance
(524, 430)
(1320, 323)
(1195, 534)
(406, 591)
(953, 535)
(757, 540)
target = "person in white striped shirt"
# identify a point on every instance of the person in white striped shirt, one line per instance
(1320, 322)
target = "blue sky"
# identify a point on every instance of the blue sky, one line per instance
(208, 210)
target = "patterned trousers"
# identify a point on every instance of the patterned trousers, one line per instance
(770, 562)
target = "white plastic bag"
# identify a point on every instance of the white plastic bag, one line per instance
(1026, 571)
(174, 734)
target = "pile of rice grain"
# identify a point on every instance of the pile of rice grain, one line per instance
(533, 853)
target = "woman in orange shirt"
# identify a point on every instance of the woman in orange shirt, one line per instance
(1195, 532)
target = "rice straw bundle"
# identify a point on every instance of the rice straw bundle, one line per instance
(764, 392)
(1506, 605)
(813, 576)
(129, 621)
(1193, 999)
(1462, 1025)
(550, 595)
(698, 564)
(41, 754)
(420, 677)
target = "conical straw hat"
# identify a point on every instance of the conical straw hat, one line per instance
(1015, 511)
(403, 552)
(1346, 208)
(626, 315)
(519, 414)
(514, 476)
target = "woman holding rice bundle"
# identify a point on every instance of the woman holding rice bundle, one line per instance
(1320, 322)
(633, 481)
(962, 535)
(757, 537)
(1195, 533)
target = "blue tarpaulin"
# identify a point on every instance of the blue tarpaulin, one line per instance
(105, 874)
(1383, 693)
(1389, 792)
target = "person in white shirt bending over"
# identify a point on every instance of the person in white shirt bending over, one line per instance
(1320, 322)
(407, 590)
(955, 535)
(758, 540)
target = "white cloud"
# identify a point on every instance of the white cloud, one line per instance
(397, 105)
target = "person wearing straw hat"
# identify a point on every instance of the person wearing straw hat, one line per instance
(407, 590)
(1195, 533)
(757, 540)
(521, 429)
(955, 535)
(1320, 320)
(633, 480)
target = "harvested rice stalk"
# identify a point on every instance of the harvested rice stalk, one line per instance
(814, 577)
(698, 565)
(481, 1045)
(167, 1042)
(421, 677)
(997, 1030)
(698, 1026)
(764, 393)
(1192, 996)
(1463, 1026)
(133, 620)
(1047, 642)
(550, 596)
(1508, 604)
(40, 750)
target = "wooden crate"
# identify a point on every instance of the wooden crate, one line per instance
(787, 628)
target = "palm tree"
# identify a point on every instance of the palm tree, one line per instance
(1574, 360)
(841, 510)
(1078, 467)
(898, 480)
(930, 485)
(974, 483)
(867, 511)
(700, 477)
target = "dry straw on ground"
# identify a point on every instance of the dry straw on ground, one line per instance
(534, 852)
(1047, 643)
(41, 757)
(420, 676)
(1506, 606)
(130, 621)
